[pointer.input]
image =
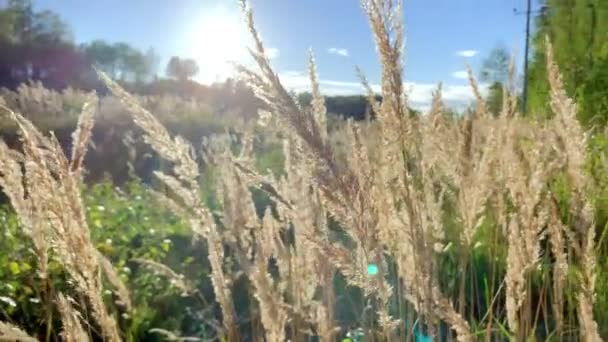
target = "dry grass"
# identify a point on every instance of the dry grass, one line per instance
(9, 332)
(44, 187)
(70, 318)
(391, 195)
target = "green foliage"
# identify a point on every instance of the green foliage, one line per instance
(38, 45)
(495, 71)
(121, 61)
(125, 224)
(593, 96)
(26, 26)
(181, 69)
(495, 67)
(495, 98)
(270, 157)
(576, 29)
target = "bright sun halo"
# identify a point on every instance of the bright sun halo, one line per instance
(218, 39)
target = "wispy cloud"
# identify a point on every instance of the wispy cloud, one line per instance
(467, 53)
(298, 81)
(272, 53)
(420, 95)
(461, 74)
(338, 51)
(456, 96)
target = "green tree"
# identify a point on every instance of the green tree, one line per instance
(21, 24)
(593, 96)
(495, 96)
(103, 56)
(495, 67)
(120, 60)
(495, 71)
(49, 28)
(131, 63)
(174, 67)
(35, 45)
(577, 30)
(189, 68)
(23, 17)
(137, 67)
(181, 69)
(124, 59)
(8, 19)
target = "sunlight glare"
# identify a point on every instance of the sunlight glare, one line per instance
(218, 39)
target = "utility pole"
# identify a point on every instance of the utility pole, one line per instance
(528, 14)
(525, 93)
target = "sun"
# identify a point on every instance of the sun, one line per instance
(218, 39)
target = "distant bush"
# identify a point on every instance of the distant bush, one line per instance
(117, 150)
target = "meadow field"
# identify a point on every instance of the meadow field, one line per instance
(134, 217)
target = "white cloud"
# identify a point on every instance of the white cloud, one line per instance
(420, 95)
(467, 53)
(272, 53)
(456, 96)
(461, 74)
(338, 51)
(298, 81)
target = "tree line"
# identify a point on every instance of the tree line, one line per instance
(578, 31)
(39, 46)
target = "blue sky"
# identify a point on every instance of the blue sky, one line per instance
(437, 32)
